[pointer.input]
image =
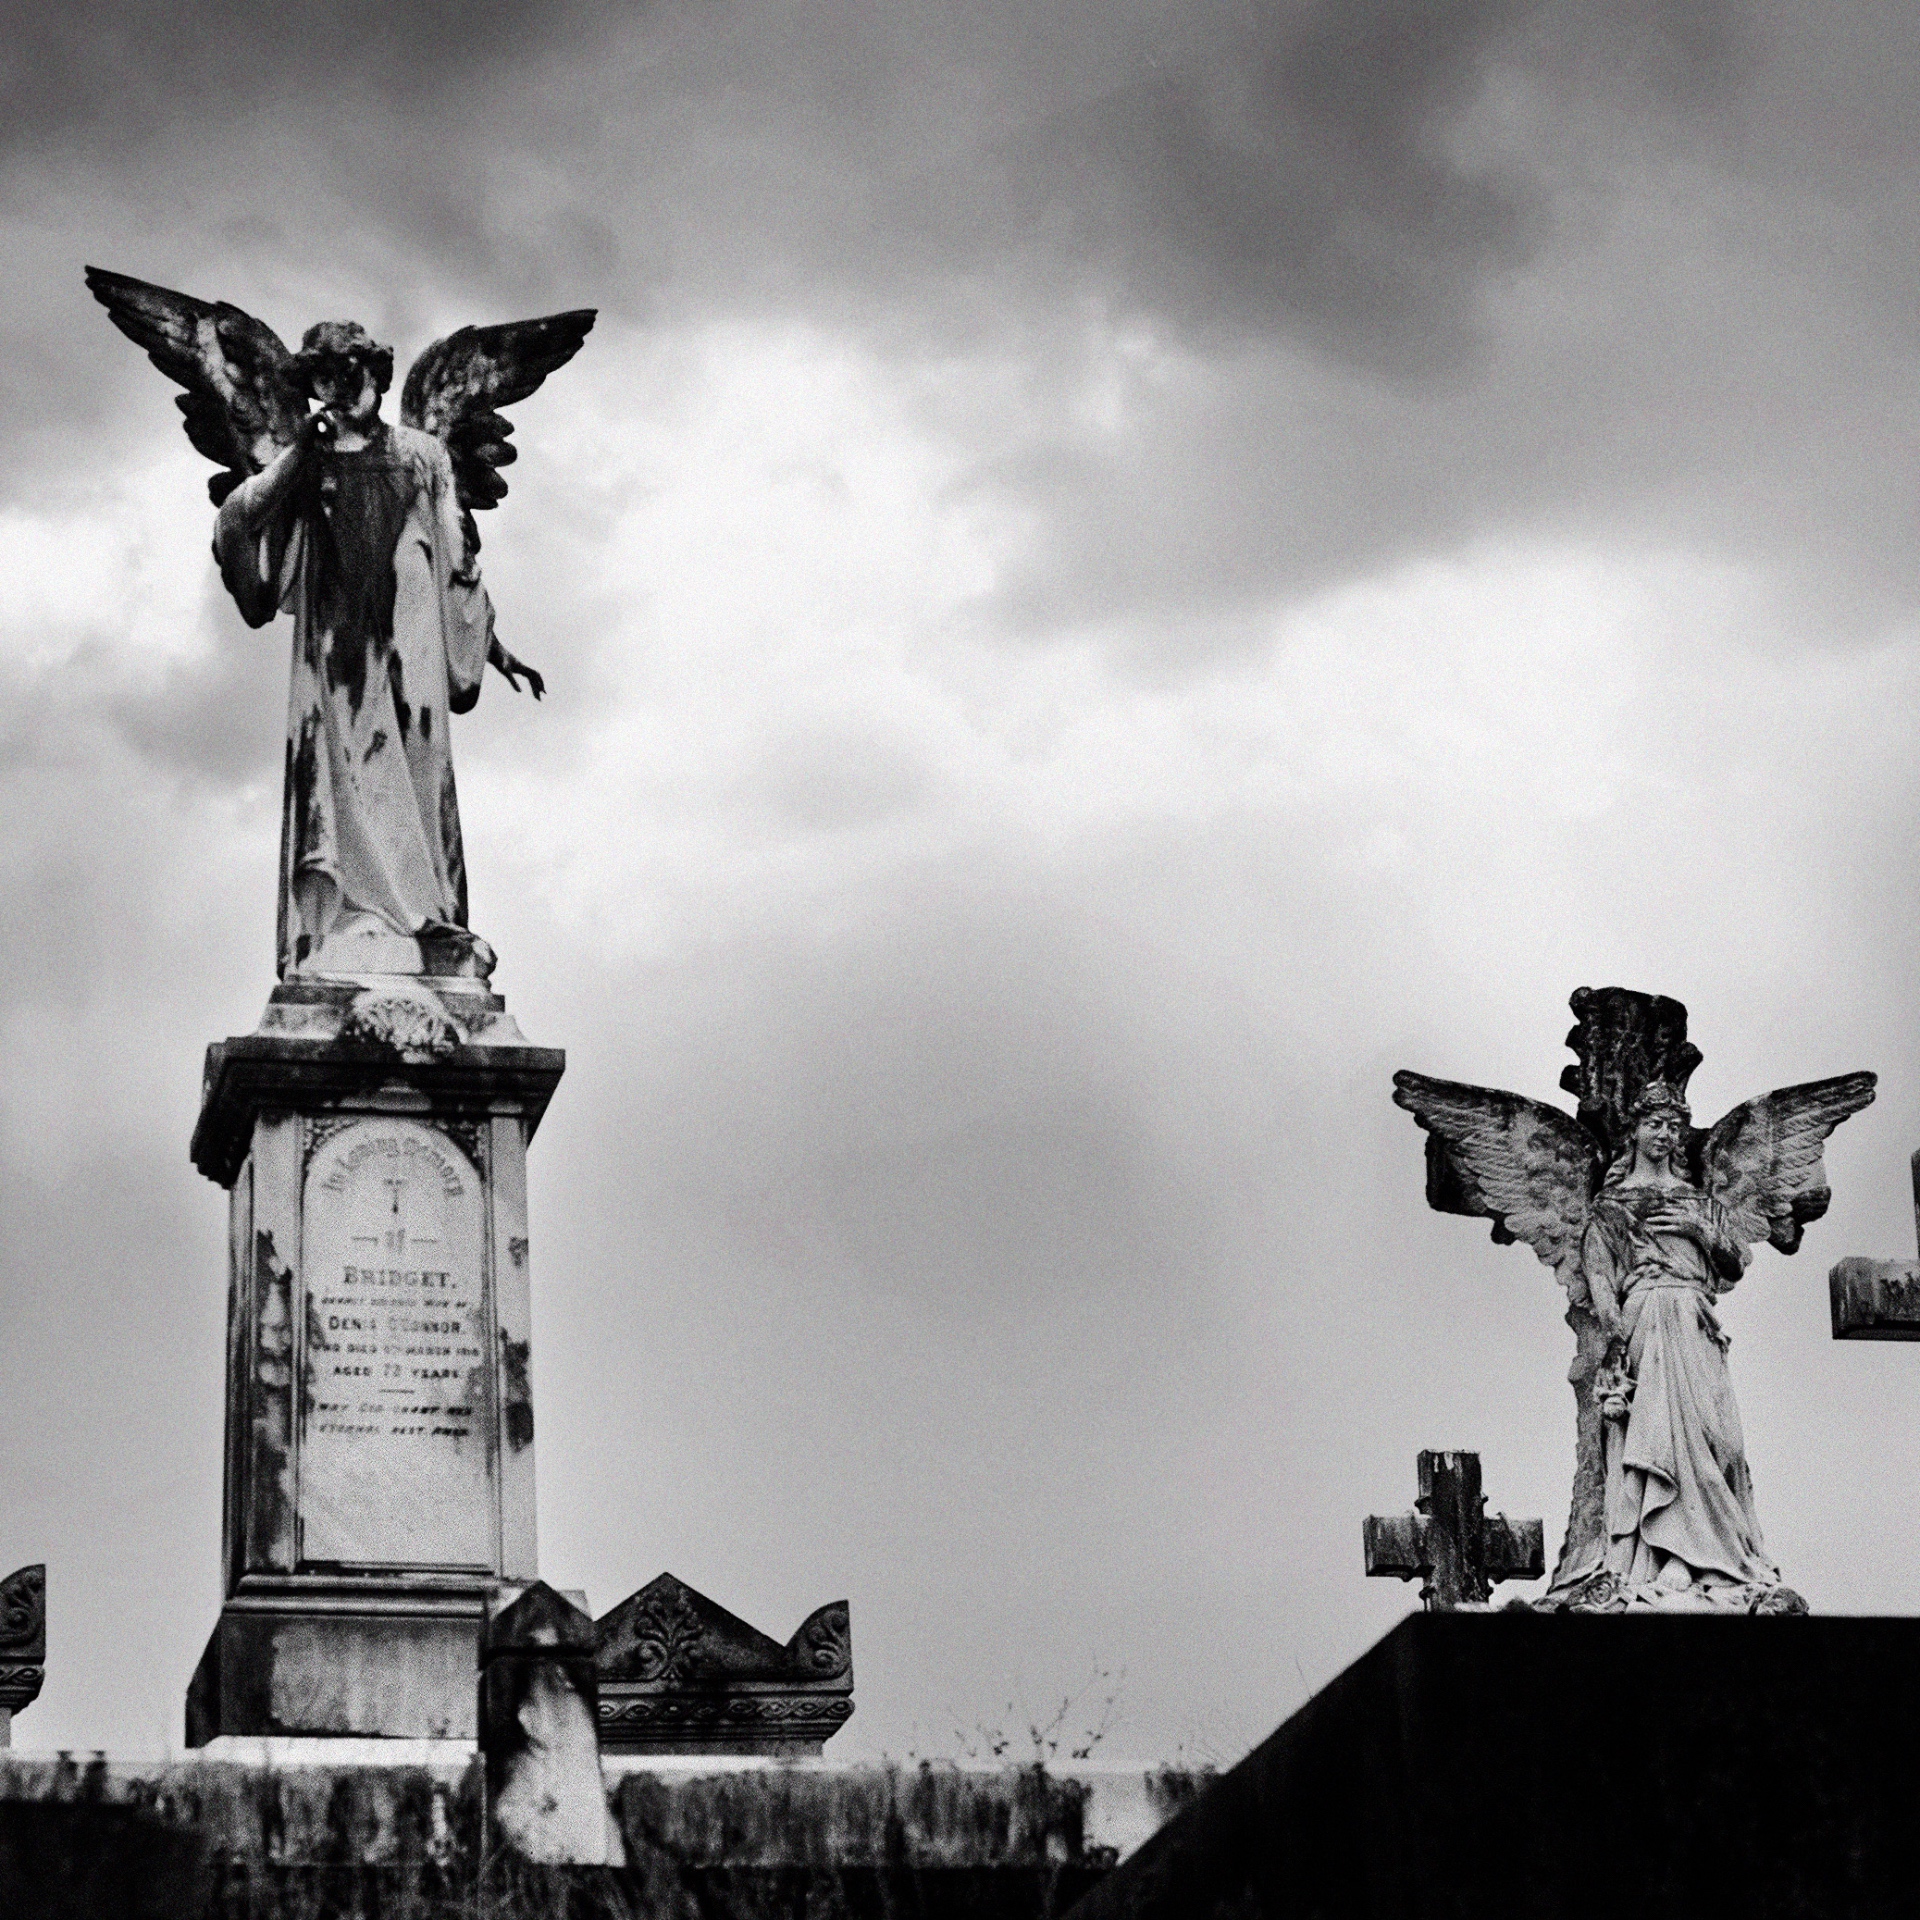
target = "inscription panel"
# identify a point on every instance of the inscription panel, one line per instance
(395, 1388)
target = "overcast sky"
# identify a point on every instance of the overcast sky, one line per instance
(1110, 574)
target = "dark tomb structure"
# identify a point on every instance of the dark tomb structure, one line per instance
(1546, 1765)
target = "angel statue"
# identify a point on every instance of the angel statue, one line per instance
(364, 531)
(1646, 1221)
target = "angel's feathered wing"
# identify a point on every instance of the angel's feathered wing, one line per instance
(455, 390)
(241, 403)
(1764, 1162)
(1528, 1168)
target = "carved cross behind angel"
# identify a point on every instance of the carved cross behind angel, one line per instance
(1646, 1221)
(364, 531)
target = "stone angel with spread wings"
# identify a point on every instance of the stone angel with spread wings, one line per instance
(364, 532)
(1646, 1221)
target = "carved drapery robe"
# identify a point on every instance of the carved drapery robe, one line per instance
(391, 634)
(1678, 1484)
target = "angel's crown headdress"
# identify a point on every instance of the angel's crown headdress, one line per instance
(1659, 1096)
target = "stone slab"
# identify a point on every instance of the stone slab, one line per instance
(23, 1643)
(395, 1470)
(256, 1073)
(391, 1674)
(1518, 1764)
(546, 1796)
(380, 1427)
(1875, 1299)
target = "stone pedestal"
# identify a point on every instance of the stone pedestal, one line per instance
(379, 1456)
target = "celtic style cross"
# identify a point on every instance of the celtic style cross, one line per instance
(1450, 1543)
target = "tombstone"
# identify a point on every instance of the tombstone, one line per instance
(1878, 1299)
(379, 1459)
(1450, 1543)
(23, 1643)
(678, 1673)
(546, 1798)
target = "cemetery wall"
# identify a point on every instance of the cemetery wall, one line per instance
(249, 1840)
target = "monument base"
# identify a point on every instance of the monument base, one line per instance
(394, 1667)
(372, 1137)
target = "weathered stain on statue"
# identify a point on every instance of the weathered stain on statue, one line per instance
(272, 1404)
(519, 1406)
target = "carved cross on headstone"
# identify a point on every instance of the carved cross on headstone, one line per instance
(1457, 1549)
(1878, 1299)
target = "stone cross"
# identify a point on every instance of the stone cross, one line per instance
(1878, 1299)
(23, 1643)
(1450, 1542)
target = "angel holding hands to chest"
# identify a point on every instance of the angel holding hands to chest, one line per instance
(362, 530)
(1646, 1221)
(1657, 1253)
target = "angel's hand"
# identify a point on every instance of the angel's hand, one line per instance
(513, 669)
(316, 430)
(1676, 1217)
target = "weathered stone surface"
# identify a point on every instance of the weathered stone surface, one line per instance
(306, 1826)
(1450, 1543)
(379, 1473)
(1646, 1220)
(364, 532)
(310, 1054)
(1513, 1764)
(23, 1643)
(678, 1673)
(545, 1795)
(395, 1469)
(1878, 1299)
(288, 1665)
(1875, 1299)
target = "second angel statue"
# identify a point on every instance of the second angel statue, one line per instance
(364, 532)
(1648, 1221)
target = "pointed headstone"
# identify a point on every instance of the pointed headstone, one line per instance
(546, 1797)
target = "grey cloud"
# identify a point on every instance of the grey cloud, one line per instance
(1307, 198)
(108, 78)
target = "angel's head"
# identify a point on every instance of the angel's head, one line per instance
(343, 366)
(1659, 1117)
